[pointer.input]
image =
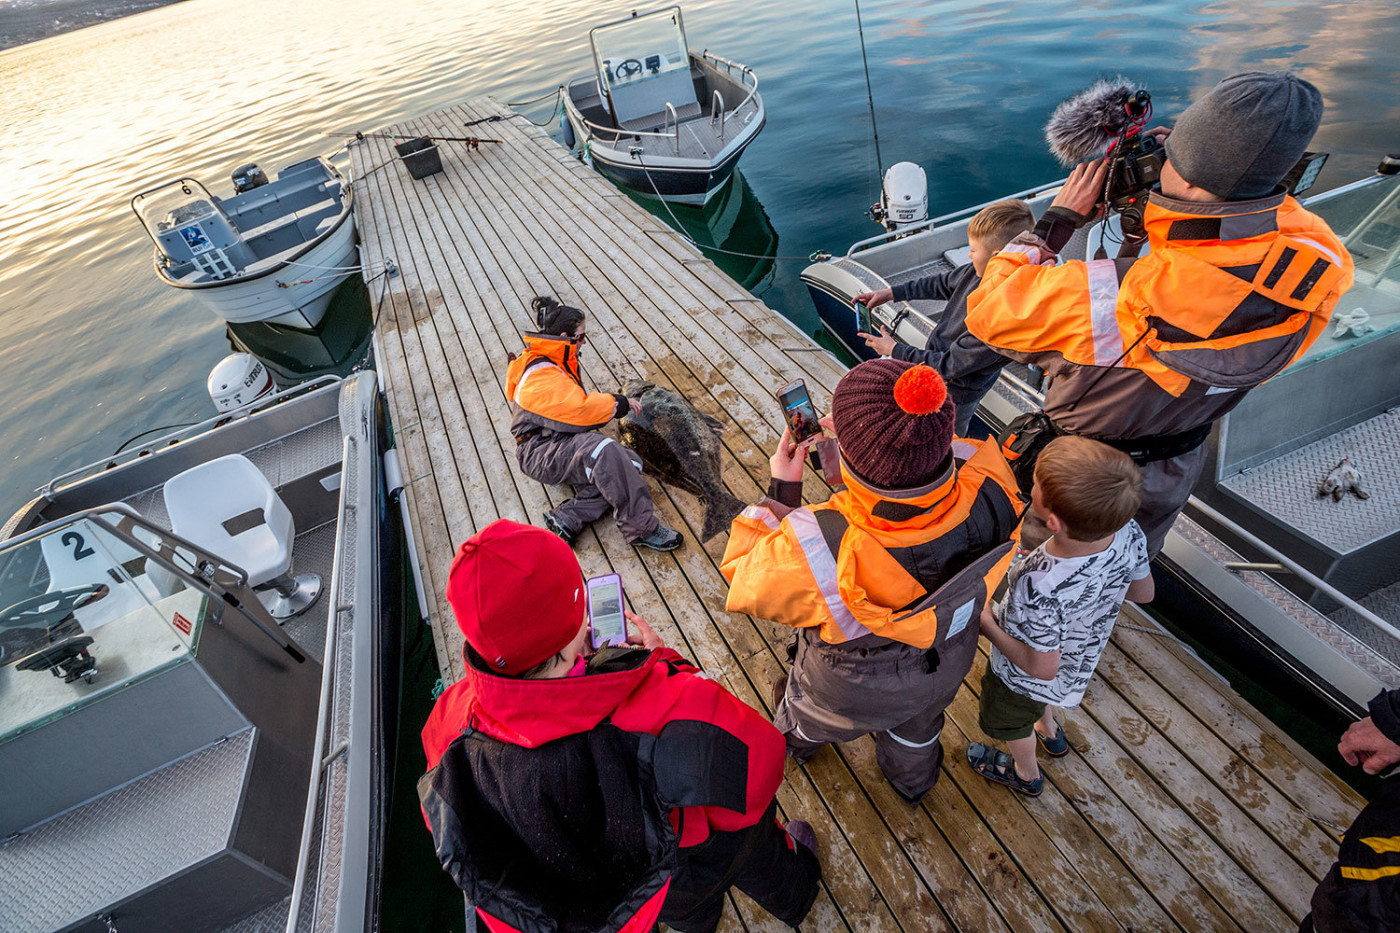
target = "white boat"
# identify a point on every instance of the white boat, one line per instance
(657, 118)
(173, 758)
(1266, 570)
(273, 251)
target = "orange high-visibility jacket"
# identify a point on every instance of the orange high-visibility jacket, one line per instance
(784, 570)
(1230, 294)
(545, 390)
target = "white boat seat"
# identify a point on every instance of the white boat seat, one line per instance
(228, 507)
(958, 256)
(640, 104)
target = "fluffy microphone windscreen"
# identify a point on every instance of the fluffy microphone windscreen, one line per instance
(1082, 127)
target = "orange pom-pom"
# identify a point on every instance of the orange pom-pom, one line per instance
(920, 391)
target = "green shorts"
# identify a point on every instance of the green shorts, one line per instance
(1004, 714)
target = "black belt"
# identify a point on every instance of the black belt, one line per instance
(1158, 446)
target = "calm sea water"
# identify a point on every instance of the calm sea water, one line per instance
(93, 349)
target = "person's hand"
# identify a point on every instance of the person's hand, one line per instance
(876, 298)
(635, 405)
(786, 462)
(1083, 189)
(643, 636)
(1161, 132)
(883, 344)
(829, 423)
(1363, 744)
(987, 621)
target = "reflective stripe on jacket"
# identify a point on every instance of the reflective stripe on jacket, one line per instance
(545, 390)
(896, 546)
(1230, 294)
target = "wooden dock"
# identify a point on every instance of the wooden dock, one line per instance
(1179, 806)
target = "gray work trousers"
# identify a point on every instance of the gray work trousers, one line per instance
(605, 475)
(836, 693)
(1166, 485)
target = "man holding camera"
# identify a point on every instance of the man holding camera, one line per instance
(1145, 354)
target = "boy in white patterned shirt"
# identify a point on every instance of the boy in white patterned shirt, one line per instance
(1061, 601)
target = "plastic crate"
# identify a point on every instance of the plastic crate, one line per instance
(420, 156)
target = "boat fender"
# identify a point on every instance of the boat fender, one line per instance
(568, 130)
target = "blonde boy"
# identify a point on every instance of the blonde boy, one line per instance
(1061, 600)
(967, 366)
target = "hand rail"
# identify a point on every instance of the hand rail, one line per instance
(237, 414)
(615, 132)
(882, 238)
(328, 666)
(675, 122)
(1293, 567)
(744, 70)
(717, 110)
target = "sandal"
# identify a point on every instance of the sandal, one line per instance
(1000, 768)
(1058, 747)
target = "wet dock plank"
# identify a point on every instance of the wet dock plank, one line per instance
(1179, 806)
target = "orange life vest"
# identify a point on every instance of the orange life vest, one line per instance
(1230, 294)
(790, 572)
(545, 390)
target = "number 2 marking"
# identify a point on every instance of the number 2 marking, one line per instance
(76, 540)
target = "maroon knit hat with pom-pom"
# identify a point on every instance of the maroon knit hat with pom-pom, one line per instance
(894, 421)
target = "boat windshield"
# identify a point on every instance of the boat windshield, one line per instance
(640, 49)
(86, 614)
(1366, 217)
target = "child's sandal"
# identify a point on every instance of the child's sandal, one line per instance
(1000, 768)
(1058, 747)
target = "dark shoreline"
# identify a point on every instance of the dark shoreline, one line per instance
(31, 20)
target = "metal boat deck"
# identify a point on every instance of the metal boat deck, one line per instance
(1179, 806)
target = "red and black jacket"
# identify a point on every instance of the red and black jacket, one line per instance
(532, 788)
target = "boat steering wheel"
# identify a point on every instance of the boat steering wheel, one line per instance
(48, 609)
(627, 68)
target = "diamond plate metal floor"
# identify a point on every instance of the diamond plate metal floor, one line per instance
(1286, 487)
(123, 841)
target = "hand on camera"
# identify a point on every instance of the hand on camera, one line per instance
(883, 344)
(1083, 190)
(874, 299)
(643, 637)
(786, 462)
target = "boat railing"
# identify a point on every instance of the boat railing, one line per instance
(208, 573)
(717, 111)
(615, 133)
(745, 72)
(320, 761)
(165, 440)
(881, 239)
(674, 122)
(1276, 564)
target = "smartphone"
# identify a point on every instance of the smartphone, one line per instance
(864, 324)
(606, 623)
(798, 411)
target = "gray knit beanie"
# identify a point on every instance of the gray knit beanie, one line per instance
(1239, 140)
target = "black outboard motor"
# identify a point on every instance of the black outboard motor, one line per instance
(247, 177)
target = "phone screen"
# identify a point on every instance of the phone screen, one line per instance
(863, 322)
(605, 618)
(799, 412)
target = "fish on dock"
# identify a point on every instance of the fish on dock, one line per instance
(680, 445)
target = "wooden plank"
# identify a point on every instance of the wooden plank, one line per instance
(1289, 768)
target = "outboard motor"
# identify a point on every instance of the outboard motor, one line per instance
(903, 197)
(247, 177)
(239, 379)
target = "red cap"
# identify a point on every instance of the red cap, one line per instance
(517, 593)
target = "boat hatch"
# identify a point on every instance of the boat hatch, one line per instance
(643, 67)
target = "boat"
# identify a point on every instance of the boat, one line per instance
(272, 251)
(657, 118)
(190, 737)
(1274, 575)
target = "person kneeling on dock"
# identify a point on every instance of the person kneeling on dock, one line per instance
(603, 792)
(555, 429)
(886, 579)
